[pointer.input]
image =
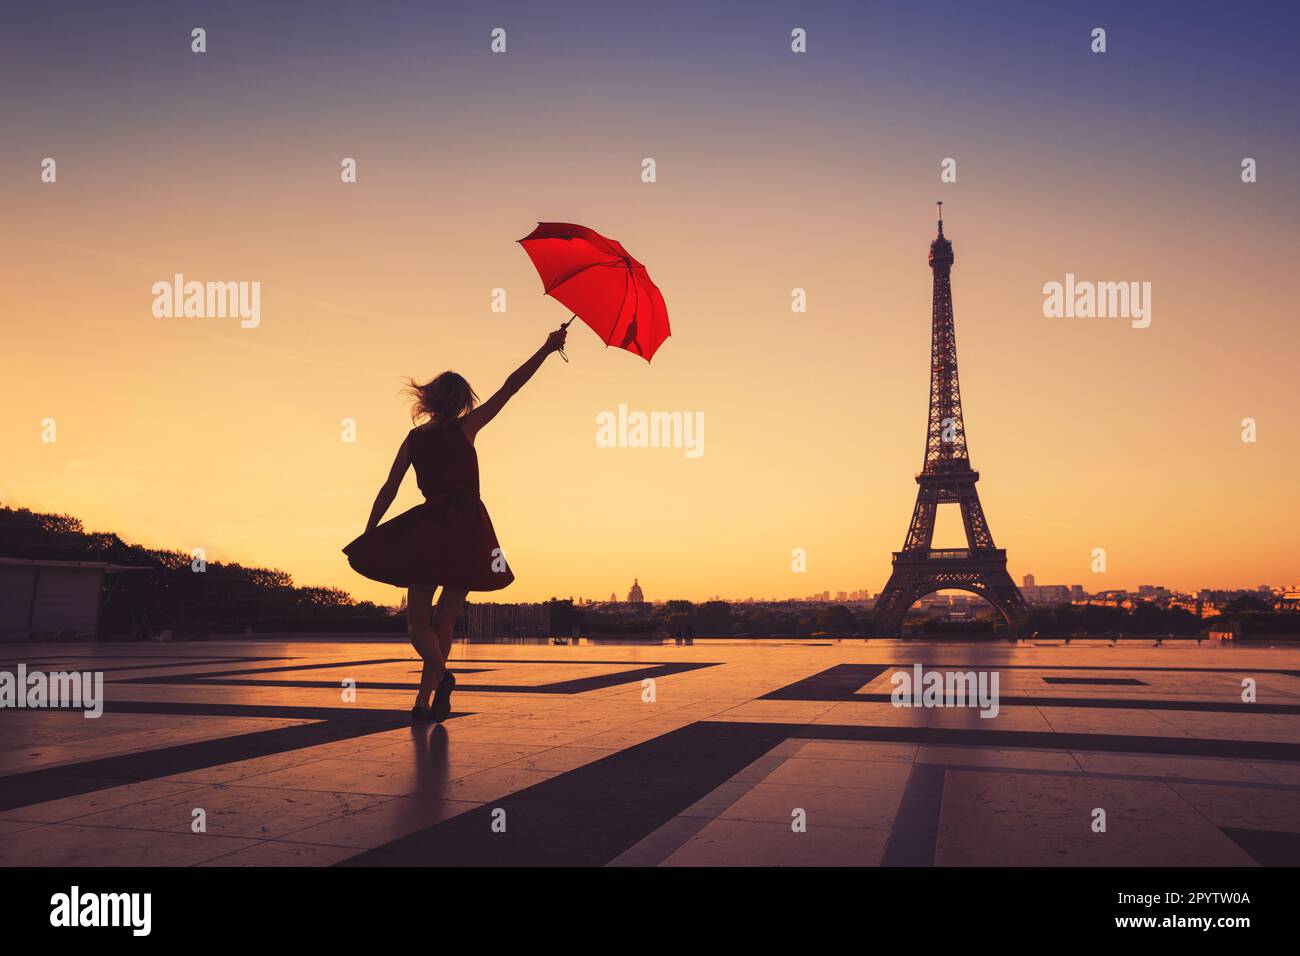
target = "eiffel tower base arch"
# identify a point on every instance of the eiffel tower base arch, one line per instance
(982, 572)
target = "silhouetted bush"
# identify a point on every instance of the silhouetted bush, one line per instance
(171, 596)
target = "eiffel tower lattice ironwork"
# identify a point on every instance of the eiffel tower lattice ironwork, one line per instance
(946, 478)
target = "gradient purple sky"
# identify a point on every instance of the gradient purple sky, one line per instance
(775, 171)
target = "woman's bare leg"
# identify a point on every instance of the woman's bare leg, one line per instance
(424, 638)
(444, 618)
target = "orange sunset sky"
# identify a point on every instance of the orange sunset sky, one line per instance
(774, 172)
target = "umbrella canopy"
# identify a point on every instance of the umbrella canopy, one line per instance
(601, 284)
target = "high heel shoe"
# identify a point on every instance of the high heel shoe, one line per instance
(442, 697)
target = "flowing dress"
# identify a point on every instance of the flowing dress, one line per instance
(448, 540)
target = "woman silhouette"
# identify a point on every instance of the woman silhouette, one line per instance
(448, 540)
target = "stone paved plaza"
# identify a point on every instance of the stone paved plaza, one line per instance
(556, 755)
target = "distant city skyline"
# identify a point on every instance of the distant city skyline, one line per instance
(863, 595)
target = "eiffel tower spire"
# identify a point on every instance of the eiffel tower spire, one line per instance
(945, 445)
(946, 477)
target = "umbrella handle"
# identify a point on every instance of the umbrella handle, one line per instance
(565, 326)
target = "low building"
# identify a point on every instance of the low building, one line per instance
(1045, 595)
(40, 598)
(503, 621)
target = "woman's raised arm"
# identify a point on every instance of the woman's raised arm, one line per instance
(474, 420)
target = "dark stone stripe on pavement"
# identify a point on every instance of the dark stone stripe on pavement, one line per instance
(590, 815)
(68, 780)
(915, 834)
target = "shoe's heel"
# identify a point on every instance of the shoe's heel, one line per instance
(442, 697)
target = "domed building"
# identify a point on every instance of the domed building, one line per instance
(635, 596)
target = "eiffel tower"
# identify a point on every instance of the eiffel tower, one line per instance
(946, 478)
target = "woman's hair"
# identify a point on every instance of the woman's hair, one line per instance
(446, 398)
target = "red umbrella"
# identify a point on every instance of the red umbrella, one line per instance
(601, 284)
